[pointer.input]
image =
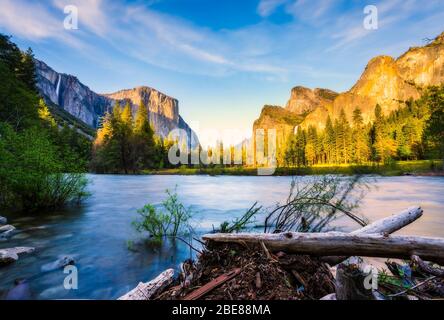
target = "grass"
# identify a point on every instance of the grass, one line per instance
(397, 168)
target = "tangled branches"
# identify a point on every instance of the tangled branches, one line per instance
(312, 205)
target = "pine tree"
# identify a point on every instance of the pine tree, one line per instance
(360, 148)
(435, 127)
(384, 145)
(311, 146)
(144, 140)
(330, 141)
(27, 70)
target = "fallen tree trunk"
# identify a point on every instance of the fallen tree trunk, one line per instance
(336, 243)
(393, 223)
(383, 226)
(145, 291)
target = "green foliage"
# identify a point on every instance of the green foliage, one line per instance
(38, 169)
(312, 205)
(412, 132)
(240, 223)
(124, 144)
(170, 221)
(32, 175)
(434, 131)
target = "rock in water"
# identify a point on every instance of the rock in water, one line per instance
(3, 220)
(7, 228)
(21, 291)
(6, 232)
(60, 263)
(8, 256)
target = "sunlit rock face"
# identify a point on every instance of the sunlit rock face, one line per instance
(70, 94)
(385, 81)
(304, 100)
(163, 110)
(279, 119)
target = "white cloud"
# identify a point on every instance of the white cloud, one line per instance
(265, 49)
(92, 14)
(267, 7)
(315, 12)
(33, 21)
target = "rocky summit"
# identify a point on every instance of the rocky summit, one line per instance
(386, 81)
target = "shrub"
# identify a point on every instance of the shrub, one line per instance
(172, 221)
(240, 223)
(32, 174)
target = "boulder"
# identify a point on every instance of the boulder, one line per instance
(3, 220)
(59, 264)
(8, 256)
(6, 232)
(6, 228)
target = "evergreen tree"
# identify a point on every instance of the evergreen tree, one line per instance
(27, 70)
(360, 148)
(434, 131)
(330, 142)
(38, 169)
(384, 145)
(145, 146)
(343, 138)
(311, 147)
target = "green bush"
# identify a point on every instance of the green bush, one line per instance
(32, 174)
(172, 221)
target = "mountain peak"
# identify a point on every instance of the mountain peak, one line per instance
(439, 39)
(304, 100)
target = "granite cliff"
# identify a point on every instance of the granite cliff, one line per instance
(386, 81)
(72, 96)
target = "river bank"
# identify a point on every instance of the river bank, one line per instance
(398, 168)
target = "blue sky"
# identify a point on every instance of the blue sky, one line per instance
(223, 59)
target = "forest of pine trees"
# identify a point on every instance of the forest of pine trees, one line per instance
(411, 133)
(127, 144)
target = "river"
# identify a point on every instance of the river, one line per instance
(99, 233)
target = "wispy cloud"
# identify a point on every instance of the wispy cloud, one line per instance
(349, 30)
(269, 50)
(33, 20)
(267, 7)
(92, 14)
(316, 12)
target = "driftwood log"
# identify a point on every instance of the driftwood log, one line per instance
(145, 291)
(393, 223)
(342, 244)
(387, 225)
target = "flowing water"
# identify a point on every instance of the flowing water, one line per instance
(99, 235)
